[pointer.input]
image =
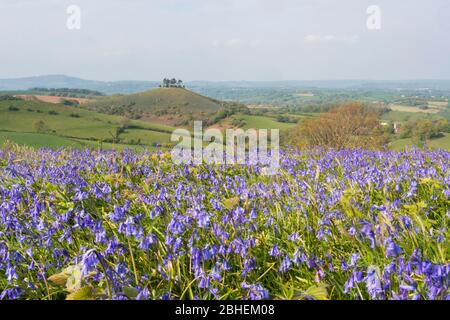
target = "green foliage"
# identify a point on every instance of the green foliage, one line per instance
(421, 131)
(40, 126)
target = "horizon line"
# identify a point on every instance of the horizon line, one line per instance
(218, 81)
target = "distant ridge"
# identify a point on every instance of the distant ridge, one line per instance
(63, 81)
(131, 86)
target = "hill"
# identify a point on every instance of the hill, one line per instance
(174, 106)
(36, 123)
(63, 81)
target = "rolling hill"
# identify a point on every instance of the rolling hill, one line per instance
(173, 106)
(62, 125)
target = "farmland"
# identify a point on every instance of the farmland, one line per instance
(72, 126)
(438, 143)
(80, 126)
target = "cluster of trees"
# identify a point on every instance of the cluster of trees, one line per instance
(286, 119)
(422, 130)
(126, 110)
(172, 83)
(350, 125)
(415, 102)
(229, 111)
(67, 102)
(7, 97)
(67, 92)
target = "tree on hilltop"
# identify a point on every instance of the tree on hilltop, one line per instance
(172, 83)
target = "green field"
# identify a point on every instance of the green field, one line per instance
(437, 143)
(72, 126)
(405, 116)
(38, 140)
(261, 122)
(75, 126)
(78, 127)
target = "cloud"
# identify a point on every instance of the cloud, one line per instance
(345, 39)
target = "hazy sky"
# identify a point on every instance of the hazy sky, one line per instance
(226, 39)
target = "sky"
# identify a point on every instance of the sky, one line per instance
(219, 40)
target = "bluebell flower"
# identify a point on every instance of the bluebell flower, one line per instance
(143, 294)
(274, 251)
(392, 249)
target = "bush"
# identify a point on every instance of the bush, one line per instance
(349, 125)
(67, 102)
(40, 126)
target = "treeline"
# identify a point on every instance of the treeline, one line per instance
(230, 110)
(327, 107)
(68, 92)
(8, 98)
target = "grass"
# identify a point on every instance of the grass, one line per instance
(438, 143)
(150, 137)
(405, 116)
(67, 124)
(261, 122)
(402, 108)
(39, 140)
(161, 98)
(78, 127)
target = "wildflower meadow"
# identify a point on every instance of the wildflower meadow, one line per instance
(347, 224)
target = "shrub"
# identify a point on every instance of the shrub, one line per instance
(349, 125)
(40, 126)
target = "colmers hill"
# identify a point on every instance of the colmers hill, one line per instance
(142, 120)
(171, 106)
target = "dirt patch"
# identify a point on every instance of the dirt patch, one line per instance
(53, 99)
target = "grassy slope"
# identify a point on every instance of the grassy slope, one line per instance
(17, 126)
(439, 143)
(260, 122)
(39, 140)
(160, 98)
(89, 125)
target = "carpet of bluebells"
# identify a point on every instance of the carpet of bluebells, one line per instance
(349, 224)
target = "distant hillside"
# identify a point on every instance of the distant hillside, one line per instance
(62, 81)
(175, 106)
(220, 89)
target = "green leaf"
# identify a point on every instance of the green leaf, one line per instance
(317, 292)
(231, 202)
(84, 293)
(130, 292)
